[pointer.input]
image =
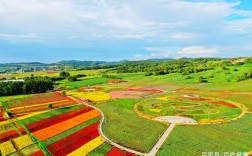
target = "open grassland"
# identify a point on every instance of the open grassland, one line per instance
(82, 83)
(193, 140)
(123, 126)
(56, 73)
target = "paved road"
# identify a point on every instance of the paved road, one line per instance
(161, 140)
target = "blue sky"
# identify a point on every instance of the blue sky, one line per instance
(54, 30)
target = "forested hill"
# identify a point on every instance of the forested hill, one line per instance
(184, 66)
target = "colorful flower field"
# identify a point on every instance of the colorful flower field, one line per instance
(57, 100)
(35, 99)
(126, 94)
(86, 138)
(43, 124)
(116, 81)
(89, 89)
(95, 96)
(152, 90)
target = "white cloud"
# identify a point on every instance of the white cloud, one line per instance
(174, 52)
(242, 26)
(182, 36)
(197, 50)
(14, 36)
(157, 55)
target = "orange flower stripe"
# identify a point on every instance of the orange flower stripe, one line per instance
(53, 130)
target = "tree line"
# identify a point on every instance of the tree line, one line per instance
(31, 85)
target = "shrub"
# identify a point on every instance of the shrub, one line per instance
(201, 79)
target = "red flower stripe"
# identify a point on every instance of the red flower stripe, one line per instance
(72, 142)
(118, 152)
(44, 123)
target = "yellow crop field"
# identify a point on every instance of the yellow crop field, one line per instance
(88, 147)
(7, 148)
(95, 96)
(23, 141)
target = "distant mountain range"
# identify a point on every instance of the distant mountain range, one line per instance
(74, 63)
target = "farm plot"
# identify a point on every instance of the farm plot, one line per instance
(152, 90)
(123, 126)
(203, 110)
(94, 96)
(84, 83)
(57, 125)
(194, 140)
(35, 99)
(28, 105)
(126, 94)
(43, 123)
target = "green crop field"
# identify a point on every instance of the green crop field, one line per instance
(123, 126)
(194, 140)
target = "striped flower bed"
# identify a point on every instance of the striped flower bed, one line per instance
(88, 147)
(50, 131)
(36, 99)
(63, 126)
(40, 107)
(73, 142)
(44, 123)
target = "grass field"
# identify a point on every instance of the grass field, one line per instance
(56, 73)
(193, 140)
(82, 83)
(123, 126)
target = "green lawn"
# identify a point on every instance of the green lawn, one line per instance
(193, 140)
(123, 126)
(83, 83)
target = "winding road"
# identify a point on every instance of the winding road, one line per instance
(152, 152)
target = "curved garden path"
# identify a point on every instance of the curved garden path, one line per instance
(102, 134)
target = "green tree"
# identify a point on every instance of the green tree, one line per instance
(64, 74)
(72, 78)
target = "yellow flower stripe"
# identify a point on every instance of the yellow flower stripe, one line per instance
(22, 107)
(23, 141)
(164, 98)
(88, 147)
(94, 96)
(155, 110)
(7, 148)
(22, 117)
